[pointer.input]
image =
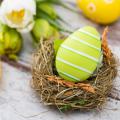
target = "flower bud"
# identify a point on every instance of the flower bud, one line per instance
(3, 29)
(42, 29)
(10, 41)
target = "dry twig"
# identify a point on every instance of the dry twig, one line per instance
(105, 47)
(84, 86)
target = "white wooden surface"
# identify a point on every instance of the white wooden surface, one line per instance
(19, 102)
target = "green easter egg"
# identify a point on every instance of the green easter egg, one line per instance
(79, 55)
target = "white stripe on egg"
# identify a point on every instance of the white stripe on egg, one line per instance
(68, 75)
(90, 34)
(73, 65)
(80, 53)
(84, 42)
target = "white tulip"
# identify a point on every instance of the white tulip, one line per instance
(18, 14)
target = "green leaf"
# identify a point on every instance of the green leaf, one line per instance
(62, 20)
(49, 1)
(65, 108)
(48, 9)
(57, 2)
(57, 43)
(80, 102)
(55, 23)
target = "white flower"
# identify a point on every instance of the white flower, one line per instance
(18, 14)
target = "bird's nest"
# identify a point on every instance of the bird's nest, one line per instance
(55, 91)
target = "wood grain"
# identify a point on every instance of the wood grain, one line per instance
(18, 100)
(1, 70)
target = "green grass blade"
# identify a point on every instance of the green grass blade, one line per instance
(58, 2)
(55, 23)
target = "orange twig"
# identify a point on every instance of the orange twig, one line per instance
(105, 47)
(84, 86)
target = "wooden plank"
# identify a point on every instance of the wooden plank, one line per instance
(1, 72)
(18, 100)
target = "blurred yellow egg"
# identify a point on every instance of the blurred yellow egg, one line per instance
(100, 11)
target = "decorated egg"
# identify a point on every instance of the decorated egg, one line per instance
(79, 55)
(100, 11)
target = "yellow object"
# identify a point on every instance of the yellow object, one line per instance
(101, 11)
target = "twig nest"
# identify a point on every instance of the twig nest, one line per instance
(58, 91)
